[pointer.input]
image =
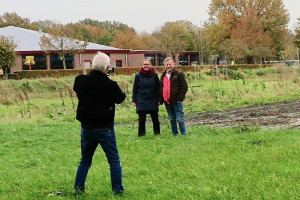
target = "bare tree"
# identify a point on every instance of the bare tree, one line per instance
(60, 39)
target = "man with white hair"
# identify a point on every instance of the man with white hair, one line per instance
(97, 96)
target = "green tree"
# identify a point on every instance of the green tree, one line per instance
(45, 25)
(105, 39)
(176, 37)
(290, 50)
(150, 41)
(112, 28)
(7, 53)
(61, 39)
(82, 33)
(13, 19)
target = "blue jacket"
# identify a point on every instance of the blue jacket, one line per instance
(146, 91)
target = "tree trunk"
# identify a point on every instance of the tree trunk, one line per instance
(64, 62)
(6, 72)
(177, 58)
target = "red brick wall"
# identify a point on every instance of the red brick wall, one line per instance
(135, 60)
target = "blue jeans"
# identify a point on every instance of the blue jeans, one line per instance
(89, 142)
(176, 114)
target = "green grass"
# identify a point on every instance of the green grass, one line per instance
(40, 144)
(53, 100)
(39, 160)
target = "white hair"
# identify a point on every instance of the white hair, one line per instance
(101, 62)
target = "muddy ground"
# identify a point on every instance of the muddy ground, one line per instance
(268, 116)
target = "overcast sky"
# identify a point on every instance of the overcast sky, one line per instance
(141, 15)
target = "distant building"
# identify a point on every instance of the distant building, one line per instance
(28, 45)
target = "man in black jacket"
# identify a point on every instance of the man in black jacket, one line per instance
(173, 90)
(97, 96)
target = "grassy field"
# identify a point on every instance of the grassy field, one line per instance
(38, 161)
(40, 144)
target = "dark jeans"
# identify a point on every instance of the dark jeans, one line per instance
(142, 121)
(89, 142)
(176, 114)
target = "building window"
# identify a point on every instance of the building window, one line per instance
(40, 62)
(183, 59)
(118, 63)
(161, 58)
(194, 58)
(156, 59)
(151, 57)
(56, 62)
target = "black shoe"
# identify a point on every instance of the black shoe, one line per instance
(78, 191)
(143, 134)
(121, 192)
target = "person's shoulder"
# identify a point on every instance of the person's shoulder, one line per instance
(112, 82)
(175, 71)
(80, 77)
(138, 75)
(155, 74)
(163, 73)
(179, 72)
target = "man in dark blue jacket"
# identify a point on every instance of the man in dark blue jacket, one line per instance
(97, 95)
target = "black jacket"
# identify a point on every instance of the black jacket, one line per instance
(179, 86)
(145, 93)
(97, 95)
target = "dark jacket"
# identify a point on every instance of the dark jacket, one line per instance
(97, 95)
(179, 86)
(145, 93)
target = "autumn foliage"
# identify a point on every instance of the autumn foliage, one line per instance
(243, 31)
(247, 29)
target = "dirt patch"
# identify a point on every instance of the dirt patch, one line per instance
(267, 116)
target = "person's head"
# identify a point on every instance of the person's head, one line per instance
(169, 64)
(146, 64)
(101, 62)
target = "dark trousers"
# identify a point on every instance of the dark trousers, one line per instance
(90, 139)
(142, 121)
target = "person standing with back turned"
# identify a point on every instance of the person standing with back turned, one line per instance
(97, 96)
(173, 91)
(145, 96)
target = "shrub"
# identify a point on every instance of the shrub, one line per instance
(261, 72)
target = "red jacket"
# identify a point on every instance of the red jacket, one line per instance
(179, 86)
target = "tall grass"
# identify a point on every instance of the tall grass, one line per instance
(53, 98)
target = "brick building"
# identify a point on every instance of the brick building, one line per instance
(28, 45)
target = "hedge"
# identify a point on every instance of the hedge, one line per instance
(122, 71)
(33, 74)
(134, 70)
